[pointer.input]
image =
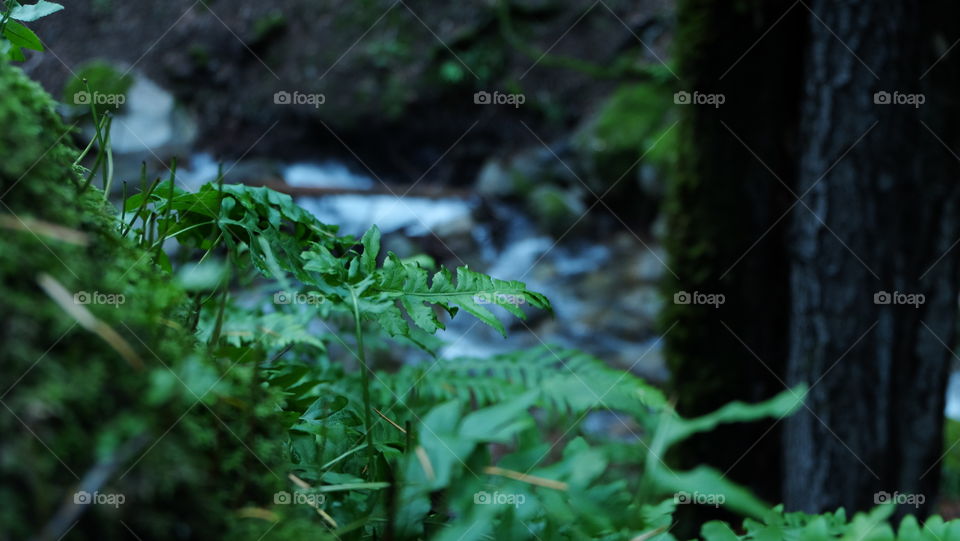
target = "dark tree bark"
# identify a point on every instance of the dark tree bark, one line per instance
(721, 201)
(880, 213)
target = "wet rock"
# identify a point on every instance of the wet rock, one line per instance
(494, 180)
(151, 122)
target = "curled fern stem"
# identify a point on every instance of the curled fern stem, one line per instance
(365, 379)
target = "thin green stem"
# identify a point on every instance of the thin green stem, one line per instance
(85, 151)
(168, 206)
(108, 152)
(143, 204)
(182, 231)
(365, 379)
(330, 464)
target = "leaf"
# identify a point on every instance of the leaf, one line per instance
(371, 248)
(471, 291)
(21, 36)
(16, 53)
(500, 422)
(33, 12)
(707, 480)
(675, 429)
(710, 483)
(716, 530)
(568, 382)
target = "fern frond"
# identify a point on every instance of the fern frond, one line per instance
(271, 331)
(400, 292)
(569, 381)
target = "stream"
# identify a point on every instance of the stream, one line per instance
(604, 292)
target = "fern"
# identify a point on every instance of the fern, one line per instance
(266, 229)
(568, 382)
(400, 292)
(273, 331)
(259, 226)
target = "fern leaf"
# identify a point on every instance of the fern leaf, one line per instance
(568, 381)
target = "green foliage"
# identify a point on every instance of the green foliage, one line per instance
(14, 35)
(177, 430)
(229, 393)
(951, 461)
(570, 383)
(872, 526)
(445, 436)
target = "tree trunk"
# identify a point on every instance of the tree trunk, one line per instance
(722, 200)
(878, 214)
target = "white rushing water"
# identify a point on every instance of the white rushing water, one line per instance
(953, 397)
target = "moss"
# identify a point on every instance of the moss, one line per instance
(555, 208)
(628, 122)
(71, 401)
(634, 128)
(199, 54)
(269, 26)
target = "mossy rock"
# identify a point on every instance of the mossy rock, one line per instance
(634, 122)
(194, 437)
